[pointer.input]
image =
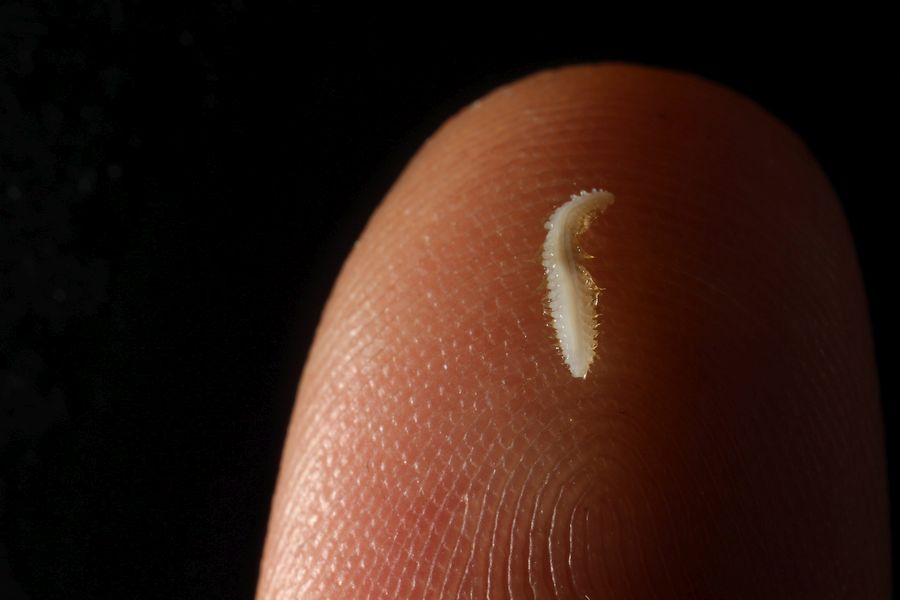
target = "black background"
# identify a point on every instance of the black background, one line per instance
(177, 192)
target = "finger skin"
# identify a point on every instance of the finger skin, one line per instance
(727, 441)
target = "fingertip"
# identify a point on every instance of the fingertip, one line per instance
(728, 427)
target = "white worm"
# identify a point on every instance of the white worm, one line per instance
(571, 292)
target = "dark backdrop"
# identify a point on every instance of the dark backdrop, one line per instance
(177, 193)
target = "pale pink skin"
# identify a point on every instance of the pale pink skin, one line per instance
(727, 443)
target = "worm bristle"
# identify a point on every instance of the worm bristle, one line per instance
(572, 295)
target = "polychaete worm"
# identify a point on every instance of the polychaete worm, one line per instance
(571, 292)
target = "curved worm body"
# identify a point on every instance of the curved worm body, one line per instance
(571, 292)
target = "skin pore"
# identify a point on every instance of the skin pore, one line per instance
(727, 442)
